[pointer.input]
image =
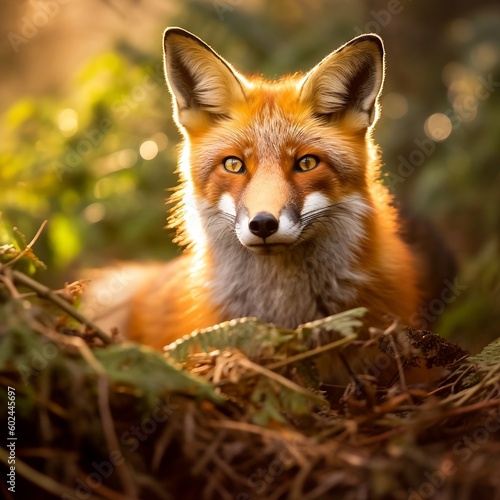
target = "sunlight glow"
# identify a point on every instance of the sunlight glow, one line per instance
(94, 212)
(438, 127)
(67, 121)
(148, 150)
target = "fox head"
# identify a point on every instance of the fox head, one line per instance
(271, 165)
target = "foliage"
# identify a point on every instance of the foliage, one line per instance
(272, 395)
(15, 248)
(74, 160)
(256, 338)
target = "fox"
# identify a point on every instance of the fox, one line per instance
(281, 206)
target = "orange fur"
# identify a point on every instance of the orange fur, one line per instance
(272, 241)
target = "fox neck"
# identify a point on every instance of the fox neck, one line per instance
(311, 280)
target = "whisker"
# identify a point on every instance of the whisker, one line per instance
(335, 217)
(220, 224)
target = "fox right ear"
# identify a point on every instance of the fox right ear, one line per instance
(348, 82)
(198, 78)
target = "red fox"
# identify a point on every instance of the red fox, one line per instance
(280, 203)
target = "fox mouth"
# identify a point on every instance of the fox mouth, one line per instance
(268, 248)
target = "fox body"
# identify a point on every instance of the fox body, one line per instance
(280, 202)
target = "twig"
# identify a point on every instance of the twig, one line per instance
(152, 485)
(123, 470)
(214, 488)
(223, 466)
(10, 285)
(293, 359)
(43, 482)
(47, 293)
(208, 455)
(24, 251)
(326, 485)
(477, 406)
(261, 431)
(397, 357)
(297, 486)
(161, 445)
(50, 405)
(358, 383)
(381, 437)
(283, 381)
(444, 386)
(312, 353)
(469, 393)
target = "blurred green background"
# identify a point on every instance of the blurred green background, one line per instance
(87, 139)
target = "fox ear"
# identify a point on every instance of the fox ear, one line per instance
(348, 82)
(198, 78)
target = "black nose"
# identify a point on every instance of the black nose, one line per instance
(263, 225)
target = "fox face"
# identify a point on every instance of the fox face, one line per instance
(271, 166)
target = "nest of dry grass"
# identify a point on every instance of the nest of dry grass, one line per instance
(237, 412)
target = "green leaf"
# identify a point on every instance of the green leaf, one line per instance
(20, 112)
(346, 323)
(489, 356)
(150, 373)
(256, 338)
(249, 335)
(266, 404)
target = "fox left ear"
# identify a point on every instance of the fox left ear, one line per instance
(347, 83)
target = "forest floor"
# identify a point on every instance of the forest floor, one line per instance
(238, 411)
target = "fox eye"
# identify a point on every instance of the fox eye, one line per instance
(233, 165)
(306, 163)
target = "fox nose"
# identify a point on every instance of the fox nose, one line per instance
(263, 225)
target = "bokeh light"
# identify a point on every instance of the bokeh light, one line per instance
(148, 150)
(438, 127)
(67, 121)
(94, 212)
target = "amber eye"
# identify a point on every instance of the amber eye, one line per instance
(234, 165)
(306, 163)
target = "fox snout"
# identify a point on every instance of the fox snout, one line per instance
(271, 231)
(266, 233)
